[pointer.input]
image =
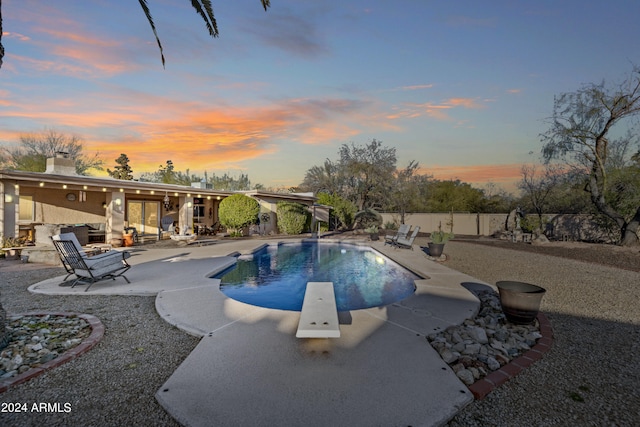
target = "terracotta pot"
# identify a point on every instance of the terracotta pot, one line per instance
(127, 239)
(520, 301)
(436, 249)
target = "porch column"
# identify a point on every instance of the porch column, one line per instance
(185, 214)
(114, 217)
(9, 209)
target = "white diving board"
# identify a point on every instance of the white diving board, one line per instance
(319, 315)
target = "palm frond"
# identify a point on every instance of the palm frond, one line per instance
(145, 8)
(1, 47)
(205, 10)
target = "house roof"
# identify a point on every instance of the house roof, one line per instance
(82, 182)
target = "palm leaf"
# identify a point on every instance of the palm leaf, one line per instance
(145, 8)
(205, 10)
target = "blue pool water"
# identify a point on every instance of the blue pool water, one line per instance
(277, 276)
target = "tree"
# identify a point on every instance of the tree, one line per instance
(368, 171)
(404, 196)
(202, 7)
(539, 187)
(454, 195)
(122, 170)
(580, 134)
(326, 178)
(34, 149)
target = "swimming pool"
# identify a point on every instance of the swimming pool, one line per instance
(277, 276)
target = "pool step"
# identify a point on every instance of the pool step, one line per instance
(319, 315)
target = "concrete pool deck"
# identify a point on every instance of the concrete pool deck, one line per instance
(250, 369)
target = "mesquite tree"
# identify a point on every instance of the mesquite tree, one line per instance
(580, 133)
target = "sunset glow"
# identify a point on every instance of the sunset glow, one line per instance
(462, 88)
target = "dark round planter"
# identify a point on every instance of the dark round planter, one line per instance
(435, 249)
(520, 301)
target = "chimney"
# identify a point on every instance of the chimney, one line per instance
(61, 164)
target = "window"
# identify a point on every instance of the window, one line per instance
(26, 208)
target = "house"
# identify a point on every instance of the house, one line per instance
(38, 204)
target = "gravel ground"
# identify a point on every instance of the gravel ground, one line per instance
(114, 383)
(588, 378)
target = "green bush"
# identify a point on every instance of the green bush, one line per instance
(343, 209)
(292, 217)
(238, 211)
(368, 218)
(390, 225)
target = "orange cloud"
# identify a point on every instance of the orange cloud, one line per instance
(151, 129)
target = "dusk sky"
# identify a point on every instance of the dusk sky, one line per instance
(463, 87)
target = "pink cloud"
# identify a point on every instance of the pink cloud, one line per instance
(438, 111)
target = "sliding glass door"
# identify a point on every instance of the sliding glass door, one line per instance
(144, 216)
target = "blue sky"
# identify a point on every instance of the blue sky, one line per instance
(462, 87)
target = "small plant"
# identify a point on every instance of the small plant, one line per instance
(441, 236)
(372, 230)
(390, 225)
(10, 242)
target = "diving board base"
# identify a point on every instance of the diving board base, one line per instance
(319, 315)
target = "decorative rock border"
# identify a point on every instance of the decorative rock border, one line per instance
(486, 385)
(97, 332)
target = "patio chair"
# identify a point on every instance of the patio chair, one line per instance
(89, 270)
(402, 232)
(407, 243)
(94, 256)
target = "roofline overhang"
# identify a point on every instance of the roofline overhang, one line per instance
(105, 184)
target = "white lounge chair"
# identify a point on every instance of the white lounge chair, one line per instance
(402, 232)
(407, 243)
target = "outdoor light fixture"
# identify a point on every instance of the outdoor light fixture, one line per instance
(189, 204)
(118, 202)
(167, 202)
(8, 198)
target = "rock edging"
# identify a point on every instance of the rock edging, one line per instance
(486, 351)
(97, 332)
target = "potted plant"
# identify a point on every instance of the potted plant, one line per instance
(373, 232)
(520, 301)
(438, 239)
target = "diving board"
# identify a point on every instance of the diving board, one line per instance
(319, 315)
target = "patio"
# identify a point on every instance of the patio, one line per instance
(250, 356)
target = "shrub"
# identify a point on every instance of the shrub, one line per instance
(238, 211)
(292, 217)
(343, 209)
(368, 218)
(390, 225)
